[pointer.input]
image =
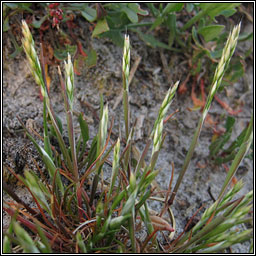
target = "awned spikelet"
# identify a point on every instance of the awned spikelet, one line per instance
(34, 64)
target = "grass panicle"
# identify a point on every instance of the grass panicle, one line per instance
(220, 70)
(126, 73)
(69, 71)
(34, 63)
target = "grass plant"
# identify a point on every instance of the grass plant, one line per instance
(70, 218)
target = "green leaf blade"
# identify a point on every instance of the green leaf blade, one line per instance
(101, 27)
(211, 32)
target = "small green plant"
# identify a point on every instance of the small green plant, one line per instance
(70, 218)
(222, 155)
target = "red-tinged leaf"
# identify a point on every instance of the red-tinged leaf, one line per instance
(47, 78)
(211, 244)
(210, 121)
(40, 95)
(160, 223)
(45, 25)
(31, 225)
(227, 107)
(171, 115)
(152, 235)
(80, 49)
(183, 87)
(197, 102)
(202, 90)
(185, 229)
(101, 12)
(34, 198)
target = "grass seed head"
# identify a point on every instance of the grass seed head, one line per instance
(69, 78)
(34, 63)
(225, 58)
(104, 126)
(126, 61)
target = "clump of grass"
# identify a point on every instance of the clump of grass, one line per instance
(69, 218)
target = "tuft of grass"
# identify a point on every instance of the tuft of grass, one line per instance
(107, 217)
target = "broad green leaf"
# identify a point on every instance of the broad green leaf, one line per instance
(210, 32)
(91, 59)
(117, 20)
(228, 13)
(101, 27)
(136, 8)
(89, 14)
(217, 8)
(131, 14)
(115, 36)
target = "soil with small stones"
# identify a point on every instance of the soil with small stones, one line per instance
(147, 90)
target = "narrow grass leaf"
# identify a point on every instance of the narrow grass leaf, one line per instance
(25, 240)
(84, 130)
(44, 240)
(32, 183)
(80, 242)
